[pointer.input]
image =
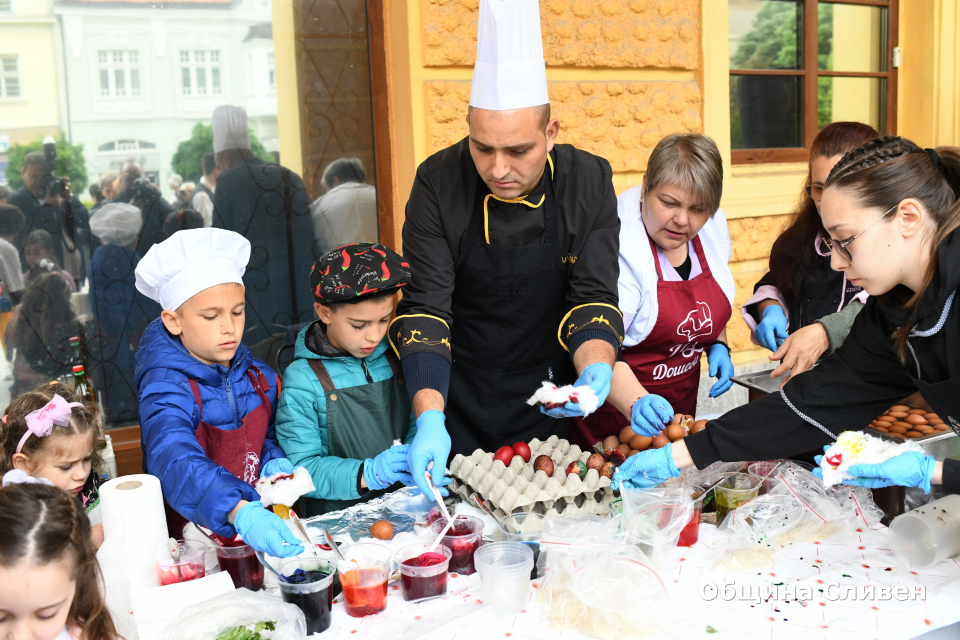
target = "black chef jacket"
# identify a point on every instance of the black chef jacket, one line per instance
(434, 232)
(861, 380)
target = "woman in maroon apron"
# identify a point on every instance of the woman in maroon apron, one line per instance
(676, 291)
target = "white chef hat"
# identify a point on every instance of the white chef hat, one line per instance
(510, 72)
(190, 261)
(230, 128)
(116, 223)
(175, 180)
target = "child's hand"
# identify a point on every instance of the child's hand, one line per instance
(275, 466)
(387, 468)
(266, 532)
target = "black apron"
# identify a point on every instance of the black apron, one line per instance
(506, 306)
(362, 422)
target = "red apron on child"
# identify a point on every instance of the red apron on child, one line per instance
(238, 451)
(692, 314)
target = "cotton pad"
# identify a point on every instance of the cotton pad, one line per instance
(551, 396)
(283, 488)
(856, 447)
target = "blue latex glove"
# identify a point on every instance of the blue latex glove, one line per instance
(910, 469)
(721, 367)
(387, 468)
(265, 531)
(598, 377)
(650, 415)
(772, 330)
(647, 468)
(431, 444)
(277, 465)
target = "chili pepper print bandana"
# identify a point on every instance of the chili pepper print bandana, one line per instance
(352, 271)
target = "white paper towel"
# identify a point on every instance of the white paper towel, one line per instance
(154, 608)
(134, 527)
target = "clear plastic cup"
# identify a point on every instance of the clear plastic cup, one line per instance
(691, 531)
(314, 595)
(363, 578)
(242, 565)
(736, 490)
(504, 569)
(423, 574)
(463, 539)
(525, 527)
(190, 567)
(927, 535)
(763, 469)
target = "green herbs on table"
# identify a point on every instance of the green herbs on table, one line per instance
(245, 632)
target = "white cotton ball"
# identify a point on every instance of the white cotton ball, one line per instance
(285, 489)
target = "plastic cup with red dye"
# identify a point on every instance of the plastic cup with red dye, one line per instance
(240, 561)
(463, 539)
(423, 574)
(190, 567)
(691, 531)
(363, 577)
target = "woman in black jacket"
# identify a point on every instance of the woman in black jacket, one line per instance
(892, 211)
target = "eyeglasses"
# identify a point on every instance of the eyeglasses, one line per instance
(840, 246)
(815, 191)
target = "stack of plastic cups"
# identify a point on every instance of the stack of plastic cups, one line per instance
(927, 535)
(525, 527)
(504, 569)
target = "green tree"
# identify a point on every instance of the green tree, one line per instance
(188, 158)
(70, 157)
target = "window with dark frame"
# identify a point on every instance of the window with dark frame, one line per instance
(798, 65)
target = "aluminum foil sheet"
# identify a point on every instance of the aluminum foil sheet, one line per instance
(401, 508)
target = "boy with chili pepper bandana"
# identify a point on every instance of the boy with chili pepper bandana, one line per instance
(343, 402)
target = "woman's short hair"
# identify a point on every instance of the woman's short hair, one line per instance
(690, 161)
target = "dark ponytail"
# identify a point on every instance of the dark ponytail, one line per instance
(885, 171)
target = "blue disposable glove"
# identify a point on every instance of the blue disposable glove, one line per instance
(387, 468)
(431, 444)
(650, 415)
(598, 377)
(277, 465)
(647, 468)
(721, 367)
(772, 330)
(266, 532)
(910, 469)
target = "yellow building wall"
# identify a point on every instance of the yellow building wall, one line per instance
(29, 34)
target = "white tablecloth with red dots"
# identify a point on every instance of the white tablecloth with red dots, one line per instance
(822, 568)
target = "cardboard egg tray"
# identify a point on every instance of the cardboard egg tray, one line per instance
(505, 489)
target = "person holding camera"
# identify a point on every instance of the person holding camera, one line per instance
(136, 189)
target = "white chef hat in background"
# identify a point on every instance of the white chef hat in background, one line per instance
(230, 128)
(116, 223)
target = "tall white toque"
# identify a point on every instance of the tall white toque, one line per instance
(510, 72)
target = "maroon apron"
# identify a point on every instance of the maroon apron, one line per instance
(692, 314)
(238, 451)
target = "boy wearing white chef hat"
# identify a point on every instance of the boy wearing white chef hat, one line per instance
(206, 405)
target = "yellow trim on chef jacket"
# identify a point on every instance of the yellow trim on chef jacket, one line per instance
(521, 200)
(411, 315)
(589, 304)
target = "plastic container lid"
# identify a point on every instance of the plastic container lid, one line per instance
(78, 368)
(504, 559)
(927, 535)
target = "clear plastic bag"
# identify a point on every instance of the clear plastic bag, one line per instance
(594, 581)
(859, 502)
(710, 474)
(653, 518)
(212, 618)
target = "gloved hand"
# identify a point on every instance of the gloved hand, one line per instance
(277, 465)
(772, 330)
(647, 468)
(387, 468)
(597, 376)
(431, 444)
(910, 469)
(265, 531)
(650, 415)
(721, 367)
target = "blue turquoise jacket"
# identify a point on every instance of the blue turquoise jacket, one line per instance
(198, 489)
(302, 412)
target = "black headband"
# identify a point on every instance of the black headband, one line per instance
(934, 156)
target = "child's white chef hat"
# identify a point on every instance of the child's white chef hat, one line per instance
(189, 261)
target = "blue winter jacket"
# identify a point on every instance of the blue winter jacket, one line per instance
(198, 489)
(302, 413)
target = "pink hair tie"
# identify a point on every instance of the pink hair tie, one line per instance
(40, 422)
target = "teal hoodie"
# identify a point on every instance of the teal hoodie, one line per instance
(302, 411)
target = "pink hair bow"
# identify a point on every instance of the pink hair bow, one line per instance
(40, 422)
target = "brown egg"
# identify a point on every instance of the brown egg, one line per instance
(926, 430)
(633, 452)
(901, 423)
(941, 427)
(624, 449)
(594, 462)
(659, 442)
(607, 470)
(915, 419)
(545, 464)
(913, 434)
(931, 417)
(381, 530)
(916, 412)
(626, 434)
(611, 442)
(881, 429)
(699, 425)
(899, 415)
(897, 429)
(677, 417)
(899, 407)
(886, 419)
(639, 442)
(675, 432)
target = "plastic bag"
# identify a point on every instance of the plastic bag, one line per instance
(859, 502)
(596, 583)
(710, 474)
(653, 518)
(212, 618)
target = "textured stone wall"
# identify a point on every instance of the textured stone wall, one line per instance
(581, 33)
(620, 121)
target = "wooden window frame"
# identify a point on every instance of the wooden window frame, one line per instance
(810, 74)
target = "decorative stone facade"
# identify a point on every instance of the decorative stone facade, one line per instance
(753, 237)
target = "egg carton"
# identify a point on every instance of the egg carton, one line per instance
(505, 489)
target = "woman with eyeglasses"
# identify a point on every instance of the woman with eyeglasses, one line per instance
(801, 308)
(891, 212)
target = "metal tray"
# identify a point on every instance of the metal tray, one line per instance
(940, 445)
(760, 381)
